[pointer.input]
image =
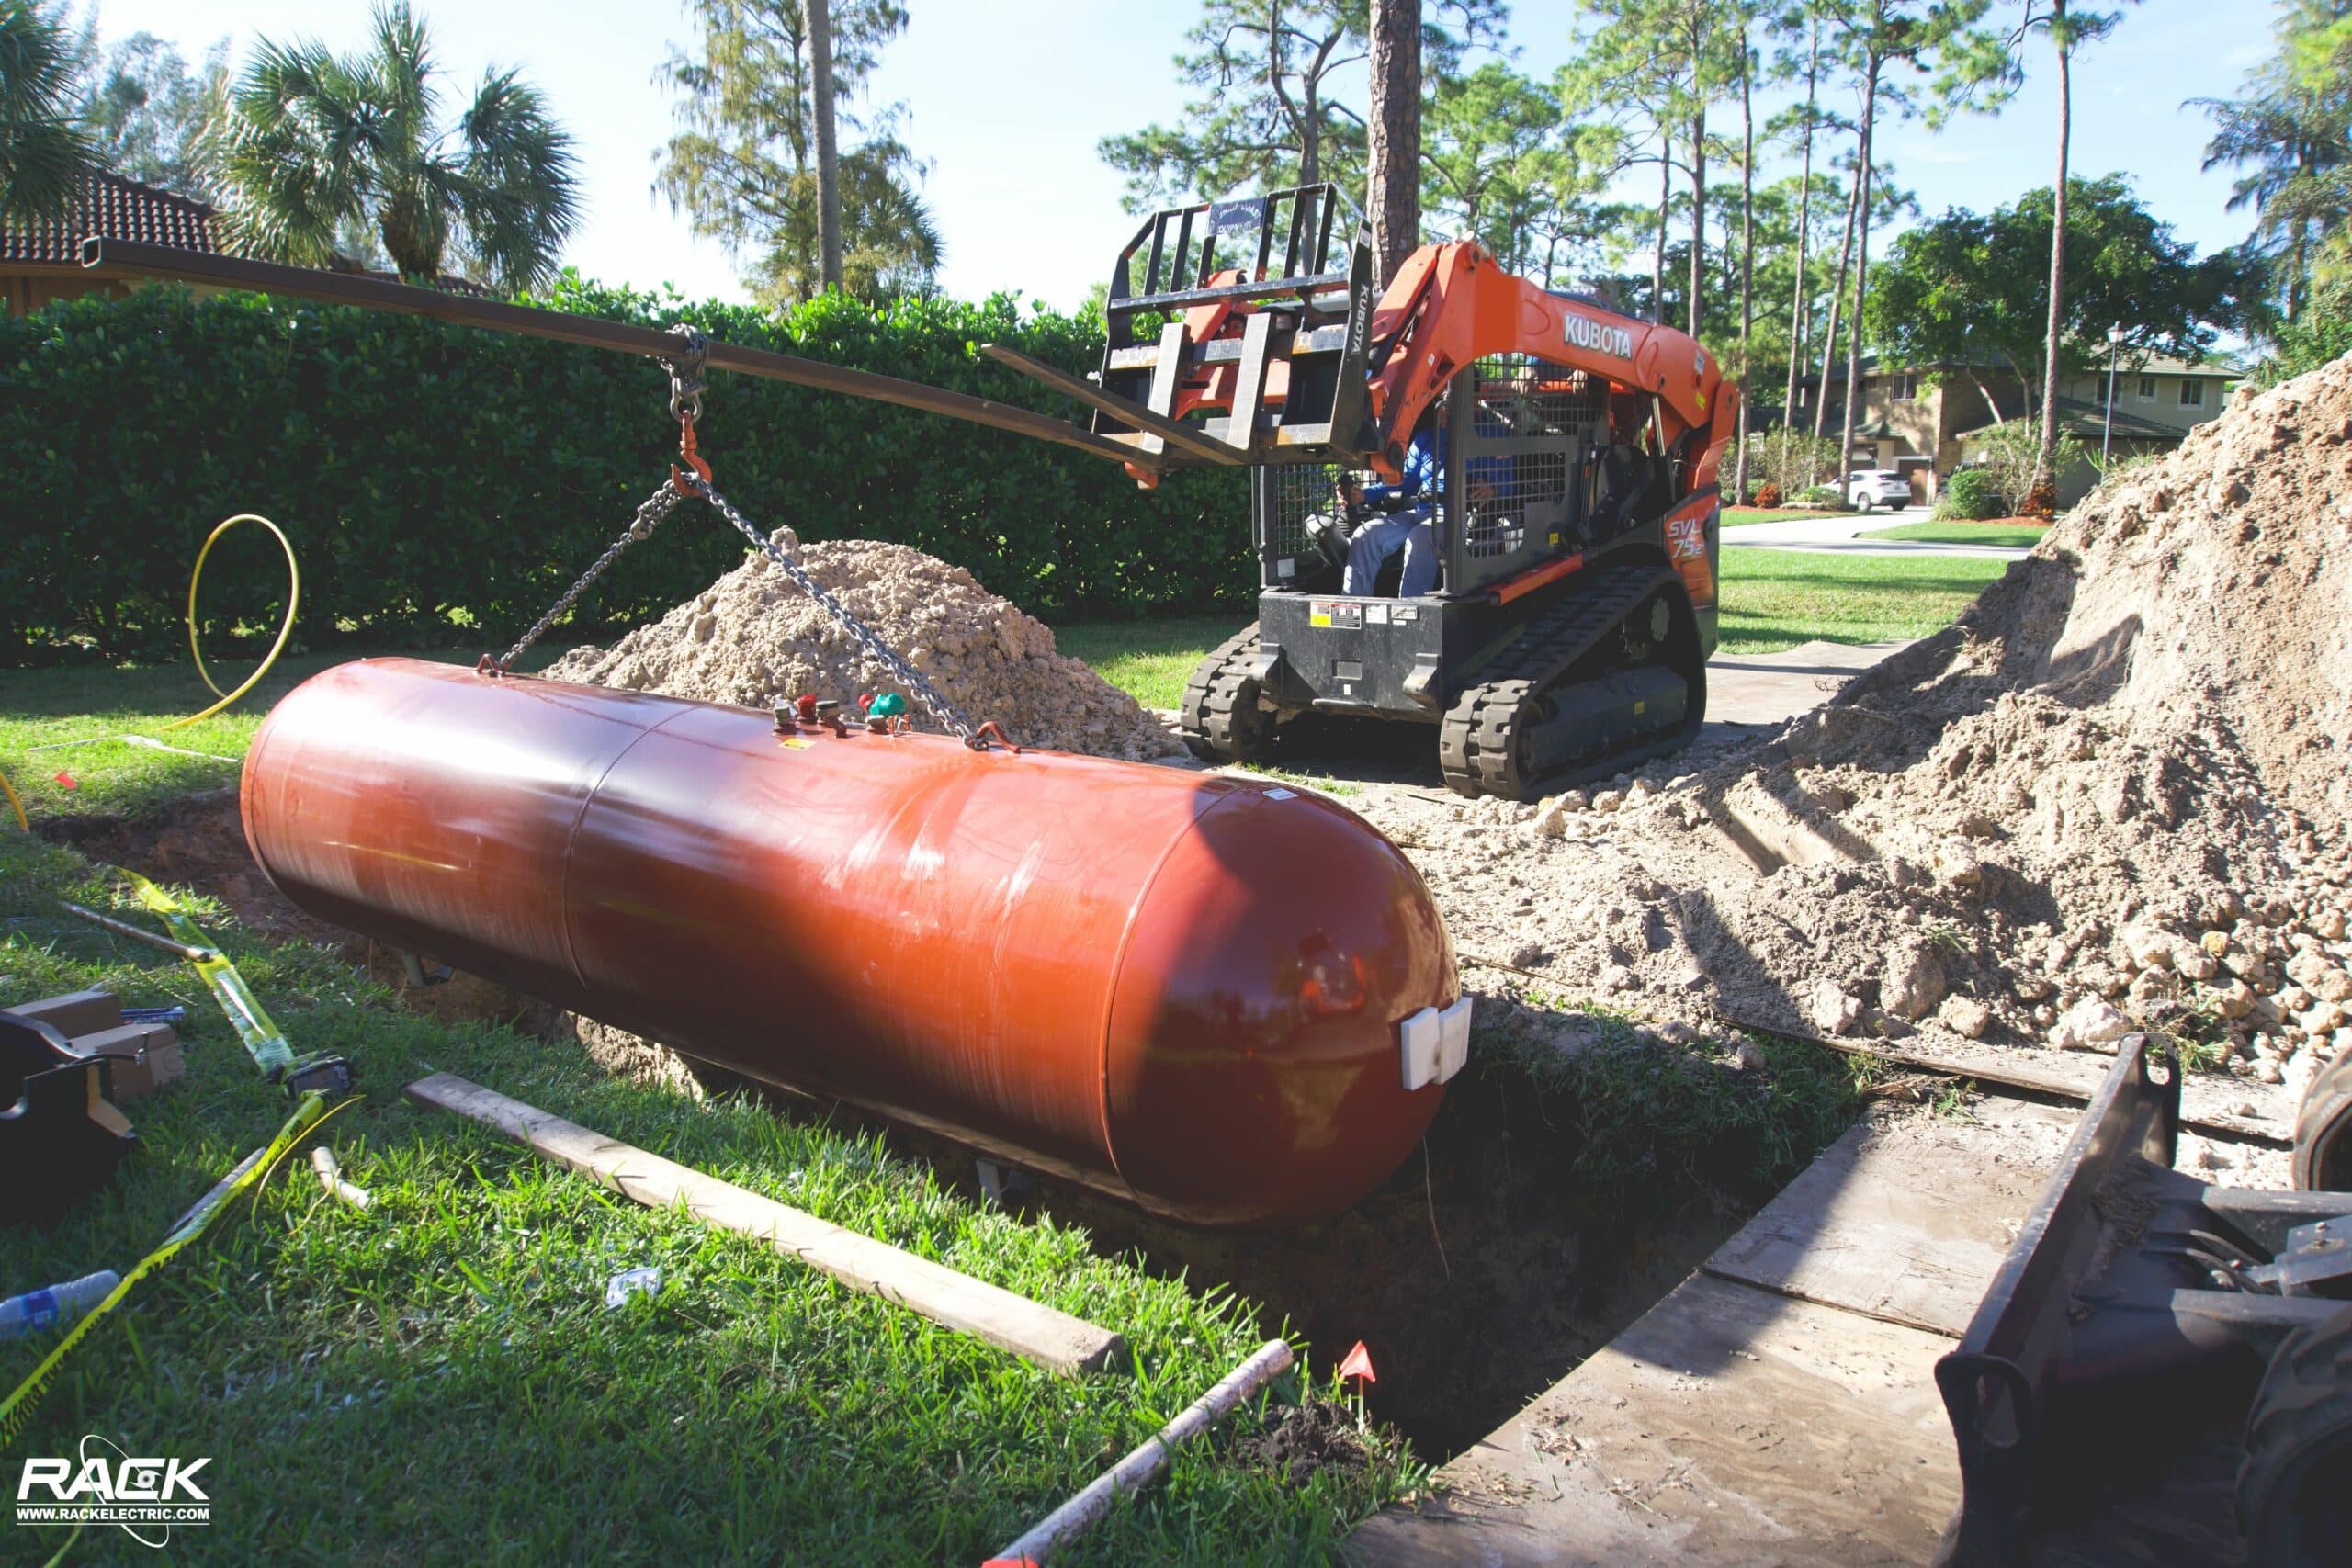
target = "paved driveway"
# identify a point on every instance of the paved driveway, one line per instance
(1836, 533)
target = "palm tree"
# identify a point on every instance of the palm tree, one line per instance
(2292, 132)
(313, 143)
(45, 154)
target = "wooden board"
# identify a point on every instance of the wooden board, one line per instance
(1728, 1426)
(2209, 1101)
(1907, 1216)
(1779, 1407)
(987, 1312)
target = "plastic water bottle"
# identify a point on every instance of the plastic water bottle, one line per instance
(37, 1312)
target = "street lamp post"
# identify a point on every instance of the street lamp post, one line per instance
(2107, 425)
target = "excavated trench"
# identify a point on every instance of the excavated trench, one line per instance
(1478, 1274)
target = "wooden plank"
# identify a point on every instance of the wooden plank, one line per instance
(75, 1013)
(2207, 1101)
(1729, 1425)
(972, 1306)
(1907, 1216)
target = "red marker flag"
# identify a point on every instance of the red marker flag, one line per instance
(67, 779)
(1358, 1364)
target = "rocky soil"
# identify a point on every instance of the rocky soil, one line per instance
(2114, 796)
(754, 639)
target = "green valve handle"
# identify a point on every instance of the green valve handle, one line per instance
(889, 705)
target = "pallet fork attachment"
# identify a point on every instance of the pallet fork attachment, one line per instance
(1257, 310)
(2130, 1286)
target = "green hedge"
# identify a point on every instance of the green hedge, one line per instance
(1971, 495)
(432, 476)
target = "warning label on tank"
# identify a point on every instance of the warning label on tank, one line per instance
(1335, 612)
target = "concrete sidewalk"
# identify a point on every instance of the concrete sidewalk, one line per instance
(1773, 688)
(1838, 533)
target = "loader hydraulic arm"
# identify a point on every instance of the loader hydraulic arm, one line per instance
(1452, 305)
(1250, 332)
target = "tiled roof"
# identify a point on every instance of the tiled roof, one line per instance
(2131, 362)
(2078, 418)
(117, 209)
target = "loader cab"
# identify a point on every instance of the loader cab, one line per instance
(1530, 466)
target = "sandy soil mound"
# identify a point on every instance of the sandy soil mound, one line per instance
(752, 639)
(2115, 796)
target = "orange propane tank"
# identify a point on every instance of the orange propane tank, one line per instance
(1228, 1002)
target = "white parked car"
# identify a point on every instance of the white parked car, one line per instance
(1867, 488)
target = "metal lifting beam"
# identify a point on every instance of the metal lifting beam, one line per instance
(131, 257)
(1191, 438)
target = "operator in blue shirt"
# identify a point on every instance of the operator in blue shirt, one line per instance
(1409, 505)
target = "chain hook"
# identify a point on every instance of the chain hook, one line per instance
(686, 400)
(689, 457)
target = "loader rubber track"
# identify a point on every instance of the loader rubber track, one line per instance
(1220, 718)
(1479, 742)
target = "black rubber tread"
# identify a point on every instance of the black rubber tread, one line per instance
(2294, 1495)
(2323, 1130)
(1220, 718)
(1477, 739)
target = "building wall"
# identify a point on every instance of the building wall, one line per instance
(2164, 406)
(29, 289)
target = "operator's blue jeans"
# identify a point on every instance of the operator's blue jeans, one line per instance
(1375, 542)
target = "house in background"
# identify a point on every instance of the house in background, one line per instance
(1930, 418)
(41, 262)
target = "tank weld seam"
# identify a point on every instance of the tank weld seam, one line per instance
(571, 841)
(1118, 974)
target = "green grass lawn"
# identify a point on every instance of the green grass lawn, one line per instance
(1741, 516)
(1777, 599)
(1772, 600)
(2023, 535)
(39, 708)
(1149, 660)
(437, 1378)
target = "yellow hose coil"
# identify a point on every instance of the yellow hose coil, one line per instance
(293, 595)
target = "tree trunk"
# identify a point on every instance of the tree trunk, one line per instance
(1836, 301)
(1992, 407)
(2045, 457)
(1395, 193)
(1664, 200)
(1697, 209)
(829, 168)
(1798, 314)
(1862, 276)
(1746, 258)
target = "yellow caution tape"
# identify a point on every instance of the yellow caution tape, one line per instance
(308, 1113)
(263, 1040)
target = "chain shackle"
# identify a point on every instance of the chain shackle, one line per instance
(686, 372)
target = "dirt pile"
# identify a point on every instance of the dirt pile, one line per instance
(754, 639)
(2115, 796)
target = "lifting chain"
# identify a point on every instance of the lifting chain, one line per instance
(649, 514)
(685, 406)
(868, 638)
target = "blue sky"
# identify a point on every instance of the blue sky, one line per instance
(1008, 98)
